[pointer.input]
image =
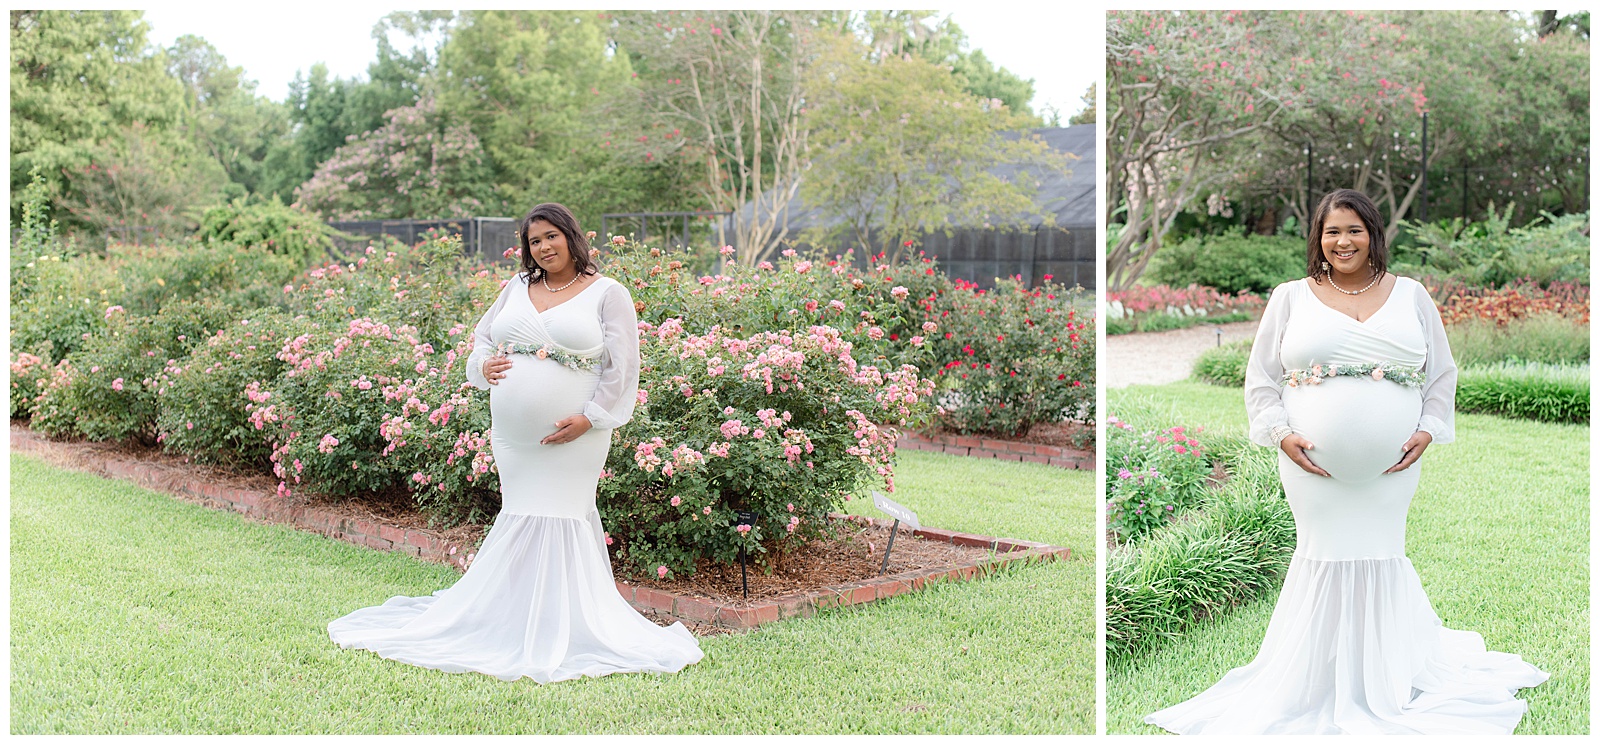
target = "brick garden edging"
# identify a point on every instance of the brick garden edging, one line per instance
(1007, 551)
(430, 546)
(985, 447)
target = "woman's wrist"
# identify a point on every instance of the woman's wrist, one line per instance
(1279, 433)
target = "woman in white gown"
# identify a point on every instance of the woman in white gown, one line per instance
(559, 353)
(1351, 379)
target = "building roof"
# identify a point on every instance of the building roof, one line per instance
(1069, 196)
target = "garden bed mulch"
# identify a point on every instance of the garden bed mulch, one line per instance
(1052, 444)
(839, 571)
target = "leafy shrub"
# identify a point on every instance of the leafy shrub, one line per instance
(1151, 477)
(56, 304)
(783, 425)
(1541, 337)
(145, 279)
(1491, 253)
(1224, 365)
(268, 226)
(202, 402)
(1541, 392)
(1231, 262)
(1015, 357)
(1233, 549)
(1512, 302)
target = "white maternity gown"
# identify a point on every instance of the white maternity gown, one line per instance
(1354, 646)
(539, 600)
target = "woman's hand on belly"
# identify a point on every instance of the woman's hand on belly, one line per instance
(568, 429)
(1412, 450)
(495, 368)
(1295, 447)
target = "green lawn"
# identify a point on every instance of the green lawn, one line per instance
(133, 612)
(1498, 531)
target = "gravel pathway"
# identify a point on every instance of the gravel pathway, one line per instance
(1163, 356)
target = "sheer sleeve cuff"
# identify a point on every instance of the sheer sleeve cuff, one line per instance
(475, 368)
(599, 417)
(1442, 432)
(1262, 428)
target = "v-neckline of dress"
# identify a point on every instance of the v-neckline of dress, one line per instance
(535, 307)
(1353, 319)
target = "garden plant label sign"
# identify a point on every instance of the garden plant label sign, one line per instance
(895, 510)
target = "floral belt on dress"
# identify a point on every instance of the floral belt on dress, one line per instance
(549, 352)
(1409, 376)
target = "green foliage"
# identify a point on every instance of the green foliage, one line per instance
(525, 83)
(896, 33)
(267, 226)
(899, 148)
(107, 389)
(1542, 337)
(1492, 253)
(1152, 477)
(203, 402)
(78, 79)
(1233, 550)
(1532, 390)
(1224, 365)
(1232, 262)
(419, 164)
(223, 114)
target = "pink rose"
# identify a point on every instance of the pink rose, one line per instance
(618, 240)
(677, 501)
(707, 510)
(116, 385)
(660, 571)
(542, 353)
(1377, 373)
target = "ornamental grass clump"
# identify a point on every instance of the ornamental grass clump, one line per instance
(1526, 390)
(783, 425)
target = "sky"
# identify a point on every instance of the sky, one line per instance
(1061, 50)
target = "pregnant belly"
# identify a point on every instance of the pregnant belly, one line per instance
(1356, 425)
(534, 395)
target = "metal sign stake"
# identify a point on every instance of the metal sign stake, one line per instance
(893, 531)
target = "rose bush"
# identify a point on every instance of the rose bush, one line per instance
(781, 424)
(1151, 477)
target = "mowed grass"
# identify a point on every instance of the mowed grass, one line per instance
(134, 612)
(1498, 532)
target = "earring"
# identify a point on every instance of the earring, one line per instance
(1324, 266)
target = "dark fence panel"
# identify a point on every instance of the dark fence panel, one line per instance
(485, 237)
(980, 256)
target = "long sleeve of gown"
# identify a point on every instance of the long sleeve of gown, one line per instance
(618, 390)
(482, 343)
(1263, 375)
(1439, 374)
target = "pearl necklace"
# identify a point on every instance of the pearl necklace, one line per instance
(1336, 286)
(575, 278)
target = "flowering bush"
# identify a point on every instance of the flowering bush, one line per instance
(1012, 357)
(1151, 477)
(107, 391)
(1026, 355)
(1160, 307)
(780, 424)
(204, 401)
(29, 376)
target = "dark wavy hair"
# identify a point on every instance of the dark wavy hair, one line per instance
(1355, 201)
(577, 242)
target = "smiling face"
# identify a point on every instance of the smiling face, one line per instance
(548, 246)
(1346, 244)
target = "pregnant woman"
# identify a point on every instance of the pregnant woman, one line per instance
(1351, 379)
(559, 353)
